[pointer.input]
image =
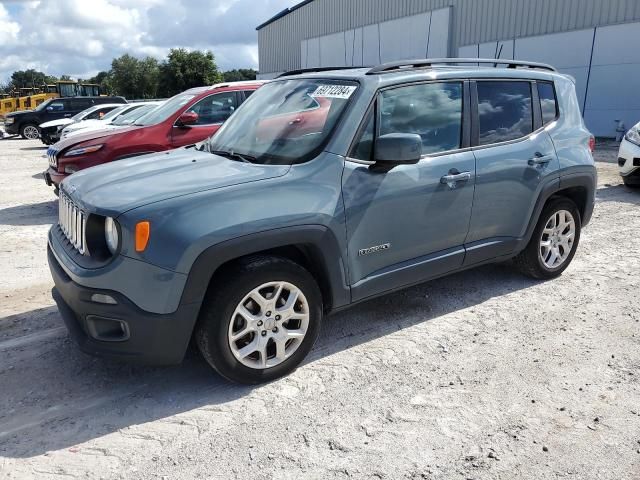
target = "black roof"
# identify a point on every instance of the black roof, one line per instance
(283, 13)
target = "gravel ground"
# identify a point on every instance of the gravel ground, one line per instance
(481, 375)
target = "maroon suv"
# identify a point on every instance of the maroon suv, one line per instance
(187, 118)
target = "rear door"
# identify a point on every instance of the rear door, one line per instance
(410, 223)
(515, 159)
(212, 111)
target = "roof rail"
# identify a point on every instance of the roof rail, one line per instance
(429, 62)
(313, 69)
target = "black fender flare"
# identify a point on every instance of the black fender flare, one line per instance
(583, 178)
(325, 253)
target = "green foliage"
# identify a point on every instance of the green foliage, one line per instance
(239, 75)
(30, 78)
(136, 78)
(183, 69)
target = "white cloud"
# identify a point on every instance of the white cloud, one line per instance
(80, 37)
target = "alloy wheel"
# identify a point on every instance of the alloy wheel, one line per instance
(268, 325)
(557, 239)
(31, 132)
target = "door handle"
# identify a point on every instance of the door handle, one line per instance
(453, 177)
(539, 159)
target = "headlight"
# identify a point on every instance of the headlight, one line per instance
(111, 234)
(83, 150)
(633, 135)
(9, 120)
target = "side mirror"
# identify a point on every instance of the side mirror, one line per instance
(398, 149)
(186, 119)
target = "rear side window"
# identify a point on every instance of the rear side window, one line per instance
(432, 110)
(548, 102)
(504, 110)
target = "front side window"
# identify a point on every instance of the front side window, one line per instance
(55, 107)
(431, 110)
(285, 122)
(548, 103)
(215, 108)
(504, 110)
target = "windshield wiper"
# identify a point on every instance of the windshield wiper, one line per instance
(233, 155)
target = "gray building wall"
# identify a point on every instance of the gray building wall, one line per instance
(595, 41)
(473, 21)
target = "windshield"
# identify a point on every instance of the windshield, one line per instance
(165, 111)
(84, 113)
(133, 114)
(284, 122)
(114, 113)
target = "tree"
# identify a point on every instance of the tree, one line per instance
(134, 78)
(30, 78)
(183, 69)
(238, 75)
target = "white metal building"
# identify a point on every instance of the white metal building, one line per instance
(596, 41)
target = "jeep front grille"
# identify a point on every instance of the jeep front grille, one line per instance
(51, 155)
(73, 222)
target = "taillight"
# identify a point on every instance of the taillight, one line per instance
(592, 143)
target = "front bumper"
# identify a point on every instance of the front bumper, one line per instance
(12, 128)
(120, 331)
(628, 158)
(53, 178)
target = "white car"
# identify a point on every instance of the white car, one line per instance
(50, 131)
(629, 157)
(120, 117)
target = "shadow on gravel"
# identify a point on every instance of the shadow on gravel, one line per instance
(43, 213)
(54, 397)
(618, 193)
(43, 147)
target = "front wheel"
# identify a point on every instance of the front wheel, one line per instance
(30, 132)
(260, 321)
(554, 241)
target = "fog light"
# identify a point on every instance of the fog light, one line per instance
(102, 298)
(70, 169)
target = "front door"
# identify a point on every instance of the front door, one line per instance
(212, 112)
(515, 158)
(410, 223)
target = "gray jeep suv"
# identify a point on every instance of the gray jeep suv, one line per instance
(324, 189)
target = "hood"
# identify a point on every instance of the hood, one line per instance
(93, 129)
(82, 136)
(114, 188)
(21, 112)
(56, 123)
(86, 124)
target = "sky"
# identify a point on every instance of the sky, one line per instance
(81, 37)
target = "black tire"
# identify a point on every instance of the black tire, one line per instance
(26, 127)
(529, 261)
(211, 333)
(631, 184)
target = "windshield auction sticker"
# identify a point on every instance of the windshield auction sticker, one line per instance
(334, 91)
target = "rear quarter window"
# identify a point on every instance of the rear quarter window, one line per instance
(548, 102)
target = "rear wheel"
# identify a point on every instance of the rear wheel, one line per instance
(30, 131)
(630, 183)
(554, 241)
(260, 321)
